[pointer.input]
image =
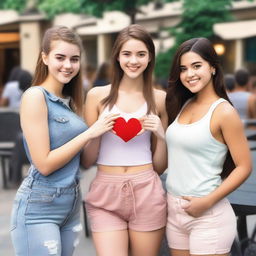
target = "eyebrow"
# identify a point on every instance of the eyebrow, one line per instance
(62, 55)
(131, 51)
(196, 62)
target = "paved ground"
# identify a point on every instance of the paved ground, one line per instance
(85, 247)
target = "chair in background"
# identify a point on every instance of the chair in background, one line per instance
(9, 129)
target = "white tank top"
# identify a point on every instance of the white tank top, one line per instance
(195, 157)
(116, 152)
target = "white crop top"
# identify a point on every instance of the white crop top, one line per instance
(116, 152)
(195, 157)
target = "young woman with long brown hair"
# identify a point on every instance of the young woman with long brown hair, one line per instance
(126, 202)
(45, 217)
(203, 128)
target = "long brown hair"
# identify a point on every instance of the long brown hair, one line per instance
(178, 94)
(74, 88)
(137, 32)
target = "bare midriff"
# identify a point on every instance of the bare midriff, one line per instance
(124, 169)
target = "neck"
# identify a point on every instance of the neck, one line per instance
(131, 85)
(53, 86)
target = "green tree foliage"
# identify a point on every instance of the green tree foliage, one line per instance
(197, 20)
(18, 5)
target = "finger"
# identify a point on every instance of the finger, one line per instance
(141, 131)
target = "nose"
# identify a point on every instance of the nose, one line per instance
(67, 63)
(190, 72)
(133, 59)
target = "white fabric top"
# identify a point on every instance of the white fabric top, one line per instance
(13, 93)
(195, 157)
(115, 152)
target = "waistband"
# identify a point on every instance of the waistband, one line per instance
(33, 183)
(120, 178)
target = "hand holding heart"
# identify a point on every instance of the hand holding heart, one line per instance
(102, 125)
(153, 123)
(127, 130)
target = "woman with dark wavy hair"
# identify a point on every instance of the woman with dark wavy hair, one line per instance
(203, 129)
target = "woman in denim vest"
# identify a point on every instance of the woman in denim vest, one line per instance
(45, 217)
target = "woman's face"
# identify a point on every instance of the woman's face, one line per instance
(63, 61)
(133, 58)
(195, 72)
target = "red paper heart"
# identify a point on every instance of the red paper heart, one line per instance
(127, 130)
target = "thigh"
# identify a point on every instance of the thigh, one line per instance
(71, 229)
(214, 232)
(146, 243)
(176, 252)
(43, 239)
(114, 243)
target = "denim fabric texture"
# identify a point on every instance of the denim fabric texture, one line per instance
(45, 216)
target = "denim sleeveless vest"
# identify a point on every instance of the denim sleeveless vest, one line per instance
(63, 125)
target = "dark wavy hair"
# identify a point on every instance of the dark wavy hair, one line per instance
(178, 94)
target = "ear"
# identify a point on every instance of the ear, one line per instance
(44, 58)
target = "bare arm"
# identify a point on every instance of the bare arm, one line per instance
(34, 122)
(92, 112)
(159, 148)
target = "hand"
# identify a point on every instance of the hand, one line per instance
(196, 206)
(153, 123)
(102, 125)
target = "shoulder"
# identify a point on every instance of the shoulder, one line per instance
(226, 113)
(33, 95)
(159, 94)
(99, 92)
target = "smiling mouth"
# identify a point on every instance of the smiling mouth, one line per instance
(191, 82)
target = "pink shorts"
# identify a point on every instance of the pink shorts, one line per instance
(211, 233)
(135, 201)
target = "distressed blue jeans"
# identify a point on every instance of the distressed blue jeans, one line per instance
(45, 219)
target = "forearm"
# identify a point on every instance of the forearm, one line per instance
(90, 152)
(58, 157)
(160, 156)
(233, 181)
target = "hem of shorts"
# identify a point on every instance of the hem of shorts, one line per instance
(151, 228)
(211, 253)
(108, 229)
(202, 253)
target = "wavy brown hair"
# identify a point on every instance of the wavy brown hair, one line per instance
(137, 32)
(178, 94)
(74, 88)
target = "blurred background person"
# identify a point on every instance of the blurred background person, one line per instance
(88, 77)
(243, 100)
(229, 80)
(103, 75)
(18, 82)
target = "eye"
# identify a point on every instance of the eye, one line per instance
(182, 69)
(142, 54)
(197, 66)
(74, 60)
(60, 58)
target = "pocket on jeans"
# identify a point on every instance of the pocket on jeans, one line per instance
(37, 197)
(14, 215)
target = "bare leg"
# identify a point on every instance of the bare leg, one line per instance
(113, 243)
(146, 243)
